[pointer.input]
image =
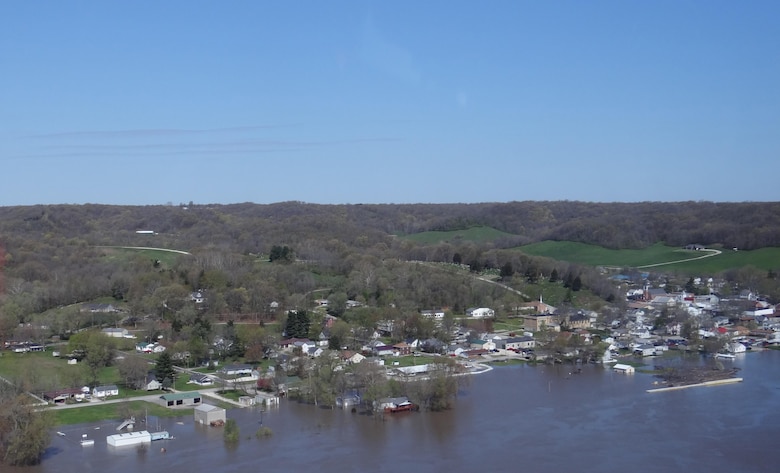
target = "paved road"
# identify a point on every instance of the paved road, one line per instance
(147, 248)
(710, 254)
(153, 398)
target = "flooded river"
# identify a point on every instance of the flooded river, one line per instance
(514, 418)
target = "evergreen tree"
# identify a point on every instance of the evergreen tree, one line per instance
(164, 368)
(576, 284)
(568, 280)
(298, 324)
(554, 275)
(282, 254)
(690, 286)
(507, 270)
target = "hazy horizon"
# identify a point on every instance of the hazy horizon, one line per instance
(388, 102)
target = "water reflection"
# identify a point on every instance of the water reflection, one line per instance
(513, 418)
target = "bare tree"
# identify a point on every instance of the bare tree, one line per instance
(133, 369)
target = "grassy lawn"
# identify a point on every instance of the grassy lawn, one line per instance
(764, 258)
(409, 361)
(508, 362)
(125, 255)
(43, 364)
(476, 234)
(510, 325)
(232, 394)
(598, 256)
(555, 294)
(81, 415)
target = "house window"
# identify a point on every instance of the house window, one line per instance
(170, 403)
(196, 400)
(179, 402)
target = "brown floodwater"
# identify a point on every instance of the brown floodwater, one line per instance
(514, 418)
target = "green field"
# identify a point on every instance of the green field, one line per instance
(124, 255)
(478, 234)
(765, 258)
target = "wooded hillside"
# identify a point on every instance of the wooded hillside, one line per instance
(255, 227)
(58, 255)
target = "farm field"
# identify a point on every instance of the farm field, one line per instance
(125, 255)
(764, 258)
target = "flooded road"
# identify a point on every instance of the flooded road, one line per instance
(531, 418)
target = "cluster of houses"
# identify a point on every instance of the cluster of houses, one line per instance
(751, 322)
(62, 396)
(23, 347)
(149, 348)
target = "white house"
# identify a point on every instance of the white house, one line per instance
(200, 380)
(433, 314)
(151, 382)
(351, 357)
(480, 313)
(149, 348)
(621, 368)
(518, 343)
(105, 391)
(116, 332)
(645, 350)
(315, 352)
(737, 347)
(483, 344)
(239, 370)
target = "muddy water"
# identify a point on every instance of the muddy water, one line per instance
(540, 419)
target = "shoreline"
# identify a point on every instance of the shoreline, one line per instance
(716, 382)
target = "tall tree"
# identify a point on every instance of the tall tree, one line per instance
(576, 284)
(133, 369)
(24, 431)
(97, 348)
(298, 324)
(164, 370)
(507, 271)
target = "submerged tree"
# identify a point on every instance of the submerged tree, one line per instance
(232, 431)
(441, 387)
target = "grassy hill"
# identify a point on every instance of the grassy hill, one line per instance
(477, 234)
(765, 258)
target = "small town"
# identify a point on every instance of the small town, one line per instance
(381, 370)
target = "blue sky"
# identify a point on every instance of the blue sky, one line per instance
(151, 102)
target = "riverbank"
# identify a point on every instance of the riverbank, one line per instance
(716, 382)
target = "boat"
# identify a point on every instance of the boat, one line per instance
(725, 356)
(395, 404)
(402, 408)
